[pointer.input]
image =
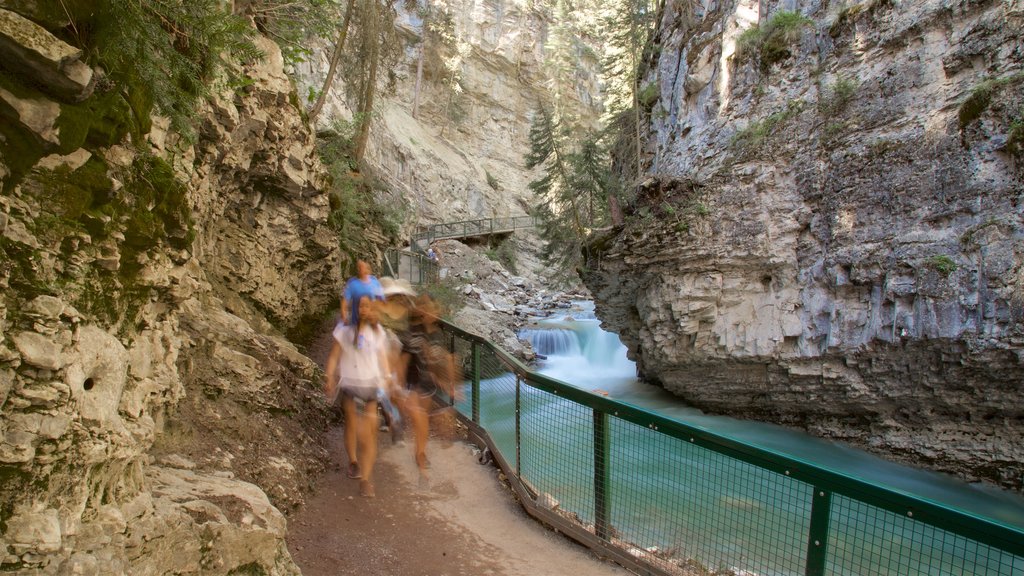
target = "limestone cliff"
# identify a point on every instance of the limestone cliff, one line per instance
(831, 233)
(471, 166)
(145, 387)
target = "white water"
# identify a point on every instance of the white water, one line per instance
(597, 362)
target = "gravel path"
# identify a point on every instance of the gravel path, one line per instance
(465, 522)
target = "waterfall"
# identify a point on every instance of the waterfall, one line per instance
(580, 353)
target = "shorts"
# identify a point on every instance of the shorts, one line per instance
(362, 395)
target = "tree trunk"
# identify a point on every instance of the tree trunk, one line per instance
(370, 89)
(615, 210)
(339, 48)
(419, 73)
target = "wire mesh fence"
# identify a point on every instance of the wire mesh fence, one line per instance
(477, 227)
(663, 497)
(416, 268)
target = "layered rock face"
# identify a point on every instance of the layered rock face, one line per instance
(831, 235)
(471, 166)
(144, 395)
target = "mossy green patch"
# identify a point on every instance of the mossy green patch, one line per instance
(100, 121)
(156, 206)
(942, 264)
(772, 42)
(1015, 138)
(751, 137)
(978, 101)
(70, 193)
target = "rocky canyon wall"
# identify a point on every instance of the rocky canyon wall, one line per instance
(471, 166)
(148, 402)
(831, 231)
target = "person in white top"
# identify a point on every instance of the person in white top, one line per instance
(357, 369)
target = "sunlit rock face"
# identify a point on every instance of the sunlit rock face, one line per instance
(832, 237)
(151, 420)
(461, 156)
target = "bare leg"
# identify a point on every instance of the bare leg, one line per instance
(348, 407)
(367, 447)
(421, 428)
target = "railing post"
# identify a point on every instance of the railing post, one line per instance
(601, 478)
(476, 382)
(817, 538)
(519, 452)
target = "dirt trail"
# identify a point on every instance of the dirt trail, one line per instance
(465, 522)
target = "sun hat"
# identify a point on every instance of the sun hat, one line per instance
(394, 287)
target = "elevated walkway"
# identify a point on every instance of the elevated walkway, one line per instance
(470, 229)
(413, 264)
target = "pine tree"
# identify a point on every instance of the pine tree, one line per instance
(572, 191)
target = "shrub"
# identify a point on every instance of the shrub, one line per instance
(772, 43)
(981, 96)
(751, 137)
(942, 264)
(838, 96)
(1015, 138)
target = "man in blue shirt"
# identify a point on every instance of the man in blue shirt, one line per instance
(362, 284)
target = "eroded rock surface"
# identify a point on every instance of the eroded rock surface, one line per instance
(831, 237)
(153, 419)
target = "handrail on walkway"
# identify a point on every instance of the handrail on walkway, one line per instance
(411, 266)
(479, 227)
(660, 496)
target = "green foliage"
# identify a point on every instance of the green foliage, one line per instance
(831, 132)
(771, 43)
(838, 97)
(156, 207)
(755, 134)
(170, 53)
(505, 254)
(355, 199)
(573, 190)
(648, 95)
(848, 15)
(292, 23)
(942, 264)
(1015, 138)
(70, 193)
(981, 96)
(447, 293)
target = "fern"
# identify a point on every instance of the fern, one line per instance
(170, 54)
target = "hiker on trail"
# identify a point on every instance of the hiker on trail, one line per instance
(362, 284)
(432, 255)
(424, 367)
(357, 369)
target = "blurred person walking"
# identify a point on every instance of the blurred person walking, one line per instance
(364, 283)
(423, 366)
(357, 368)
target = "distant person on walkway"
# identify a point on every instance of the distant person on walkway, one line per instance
(364, 283)
(357, 369)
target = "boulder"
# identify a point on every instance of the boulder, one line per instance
(28, 49)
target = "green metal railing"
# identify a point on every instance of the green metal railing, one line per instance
(480, 227)
(660, 496)
(411, 266)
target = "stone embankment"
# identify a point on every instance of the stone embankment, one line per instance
(831, 233)
(148, 403)
(497, 302)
